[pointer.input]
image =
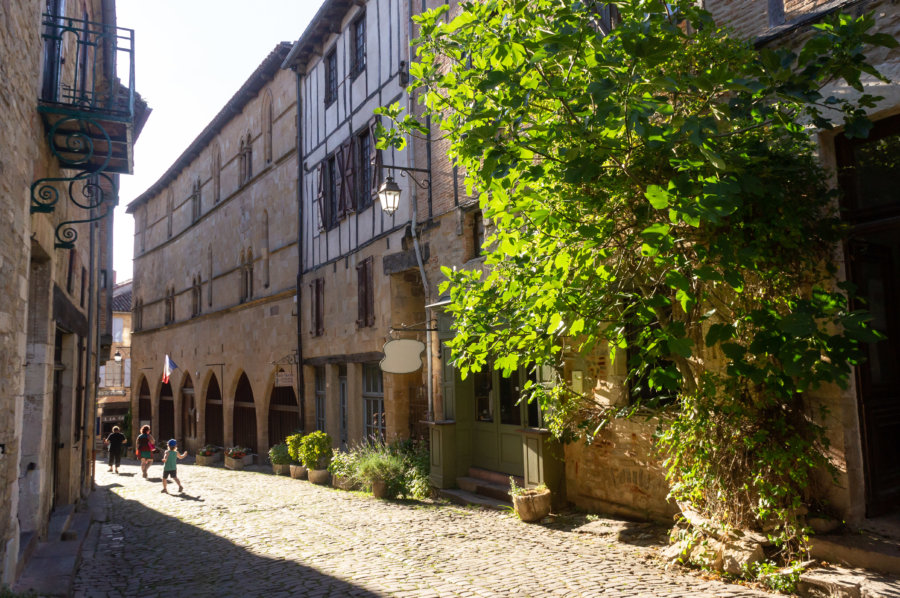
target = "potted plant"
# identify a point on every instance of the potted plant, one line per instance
(315, 452)
(383, 472)
(298, 470)
(234, 458)
(530, 504)
(208, 455)
(343, 470)
(280, 459)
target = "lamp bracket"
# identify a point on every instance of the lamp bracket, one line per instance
(405, 171)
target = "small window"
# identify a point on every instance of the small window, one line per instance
(331, 77)
(118, 330)
(365, 293)
(170, 208)
(195, 201)
(331, 192)
(359, 45)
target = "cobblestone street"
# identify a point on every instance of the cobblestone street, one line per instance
(251, 533)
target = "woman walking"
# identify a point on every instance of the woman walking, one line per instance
(145, 445)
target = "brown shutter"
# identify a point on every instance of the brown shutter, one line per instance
(348, 170)
(370, 292)
(339, 183)
(320, 194)
(374, 160)
(320, 306)
(361, 294)
(312, 308)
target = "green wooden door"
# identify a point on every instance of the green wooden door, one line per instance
(497, 430)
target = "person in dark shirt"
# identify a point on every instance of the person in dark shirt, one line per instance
(114, 443)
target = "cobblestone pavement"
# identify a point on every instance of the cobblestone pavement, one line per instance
(250, 533)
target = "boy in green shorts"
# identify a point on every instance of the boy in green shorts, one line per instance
(170, 459)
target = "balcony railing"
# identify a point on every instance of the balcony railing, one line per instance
(88, 112)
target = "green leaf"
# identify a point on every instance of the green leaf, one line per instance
(658, 197)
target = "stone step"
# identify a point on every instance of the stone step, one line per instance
(484, 488)
(466, 498)
(28, 543)
(496, 477)
(51, 569)
(858, 551)
(838, 582)
(60, 519)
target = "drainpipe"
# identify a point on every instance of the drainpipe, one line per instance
(410, 106)
(300, 385)
(87, 439)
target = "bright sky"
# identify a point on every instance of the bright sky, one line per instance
(191, 56)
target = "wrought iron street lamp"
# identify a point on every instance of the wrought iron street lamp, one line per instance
(117, 356)
(389, 196)
(389, 192)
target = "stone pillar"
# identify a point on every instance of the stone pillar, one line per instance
(355, 413)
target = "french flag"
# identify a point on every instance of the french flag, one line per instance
(169, 367)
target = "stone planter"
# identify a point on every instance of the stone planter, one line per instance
(319, 476)
(298, 472)
(379, 489)
(247, 459)
(533, 505)
(281, 468)
(234, 464)
(208, 460)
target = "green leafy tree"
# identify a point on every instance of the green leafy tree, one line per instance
(653, 191)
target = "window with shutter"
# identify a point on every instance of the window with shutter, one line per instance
(331, 192)
(336, 165)
(364, 171)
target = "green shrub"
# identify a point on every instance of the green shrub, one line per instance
(293, 444)
(344, 464)
(279, 454)
(315, 450)
(403, 465)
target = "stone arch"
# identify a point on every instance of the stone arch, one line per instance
(188, 410)
(283, 411)
(144, 411)
(244, 414)
(165, 427)
(214, 420)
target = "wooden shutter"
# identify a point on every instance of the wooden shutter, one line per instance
(320, 306)
(348, 205)
(361, 300)
(338, 202)
(312, 308)
(370, 292)
(374, 160)
(320, 194)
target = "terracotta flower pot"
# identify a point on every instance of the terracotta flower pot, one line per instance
(379, 489)
(298, 472)
(342, 483)
(533, 505)
(319, 476)
(281, 468)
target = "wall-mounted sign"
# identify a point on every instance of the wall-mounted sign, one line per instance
(283, 378)
(402, 356)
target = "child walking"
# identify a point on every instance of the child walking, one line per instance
(170, 460)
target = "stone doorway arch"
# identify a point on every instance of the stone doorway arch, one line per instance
(215, 421)
(165, 429)
(244, 419)
(284, 414)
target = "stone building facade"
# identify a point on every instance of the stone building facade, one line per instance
(53, 181)
(215, 276)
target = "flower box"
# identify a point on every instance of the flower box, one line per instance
(234, 464)
(208, 460)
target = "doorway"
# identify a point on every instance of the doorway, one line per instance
(497, 431)
(868, 170)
